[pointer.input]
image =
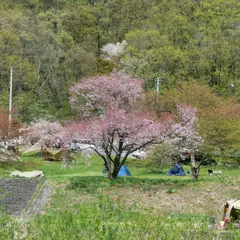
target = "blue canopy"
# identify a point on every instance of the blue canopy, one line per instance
(123, 172)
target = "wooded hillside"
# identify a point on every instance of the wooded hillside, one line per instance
(51, 44)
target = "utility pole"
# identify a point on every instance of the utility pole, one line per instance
(158, 84)
(10, 97)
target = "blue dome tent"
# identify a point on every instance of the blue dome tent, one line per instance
(177, 170)
(123, 172)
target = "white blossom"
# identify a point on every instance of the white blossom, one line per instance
(111, 50)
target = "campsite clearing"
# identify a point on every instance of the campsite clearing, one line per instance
(98, 207)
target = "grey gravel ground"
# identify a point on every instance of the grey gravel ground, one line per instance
(16, 194)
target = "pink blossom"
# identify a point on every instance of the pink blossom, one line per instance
(118, 128)
(118, 90)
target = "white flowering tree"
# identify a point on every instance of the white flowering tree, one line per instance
(187, 138)
(45, 133)
(111, 50)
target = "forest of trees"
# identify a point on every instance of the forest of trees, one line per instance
(51, 44)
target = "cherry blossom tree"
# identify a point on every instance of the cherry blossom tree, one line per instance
(92, 96)
(118, 134)
(186, 138)
(45, 133)
(116, 126)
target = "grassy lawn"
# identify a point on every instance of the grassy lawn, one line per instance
(94, 166)
(147, 205)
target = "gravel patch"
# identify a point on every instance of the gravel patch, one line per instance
(17, 193)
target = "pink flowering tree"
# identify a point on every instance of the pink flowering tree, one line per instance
(113, 123)
(92, 96)
(118, 134)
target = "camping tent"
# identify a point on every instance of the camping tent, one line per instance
(123, 172)
(232, 210)
(177, 170)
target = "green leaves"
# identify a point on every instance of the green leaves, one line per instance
(186, 40)
(51, 44)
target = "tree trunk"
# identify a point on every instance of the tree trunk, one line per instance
(195, 173)
(115, 172)
(195, 166)
(116, 167)
(109, 168)
(117, 159)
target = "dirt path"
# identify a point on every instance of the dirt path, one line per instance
(39, 202)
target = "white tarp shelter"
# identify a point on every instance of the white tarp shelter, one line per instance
(31, 174)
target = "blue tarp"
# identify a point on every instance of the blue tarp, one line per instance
(123, 172)
(177, 170)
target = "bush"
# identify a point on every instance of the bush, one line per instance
(161, 156)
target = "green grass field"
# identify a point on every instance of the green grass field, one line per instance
(147, 205)
(94, 166)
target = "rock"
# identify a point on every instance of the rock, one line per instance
(2, 144)
(8, 156)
